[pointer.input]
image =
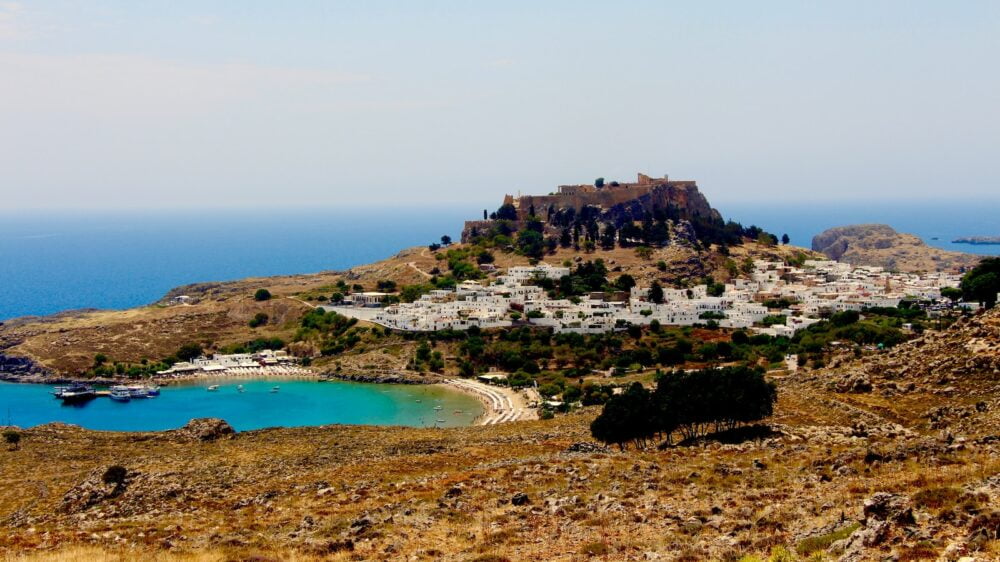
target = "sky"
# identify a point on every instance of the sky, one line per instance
(199, 104)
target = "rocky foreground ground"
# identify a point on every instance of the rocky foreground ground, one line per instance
(904, 465)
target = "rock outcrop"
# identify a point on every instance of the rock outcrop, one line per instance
(205, 429)
(615, 203)
(15, 366)
(880, 245)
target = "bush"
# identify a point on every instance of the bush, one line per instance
(12, 438)
(822, 542)
(115, 474)
(262, 295)
(594, 549)
(259, 319)
(937, 498)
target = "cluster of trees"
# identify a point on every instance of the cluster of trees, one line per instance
(690, 404)
(255, 345)
(982, 283)
(427, 359)
(879, 326)
(586, 277)
(591, 227)
(332, 333)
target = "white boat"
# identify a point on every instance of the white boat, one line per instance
(240, 388)
(140, 391)
(275, 388)
(438, 408)
(213, 388)
(120, 393)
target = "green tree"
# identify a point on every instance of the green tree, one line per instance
(262, 295)
(627, 418)
(599, 182)
(506, 212)
(531, 243)
(625, 282)
(446, 240)
(656, 292)
(785, 239)
(982, 283)
(189, 351)
(952, 293)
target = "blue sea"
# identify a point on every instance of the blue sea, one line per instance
(53, 262)
(296, 403)
(936, 222)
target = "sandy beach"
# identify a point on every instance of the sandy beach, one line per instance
(502, 404)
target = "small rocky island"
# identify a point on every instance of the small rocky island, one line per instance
(977, 240)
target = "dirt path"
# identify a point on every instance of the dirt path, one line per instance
(413, 265)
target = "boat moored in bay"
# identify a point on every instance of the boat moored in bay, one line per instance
(77, 394)
(120, 393)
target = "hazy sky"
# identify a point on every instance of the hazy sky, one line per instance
(180, 104)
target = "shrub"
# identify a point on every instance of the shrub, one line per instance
(594, 549)
(115, 474)
(262, 295)
(822, 542)
(12, 438)
(259, 319)
(936, 498)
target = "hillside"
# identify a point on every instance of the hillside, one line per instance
(879, 245)
(846, 475)
(218, 313)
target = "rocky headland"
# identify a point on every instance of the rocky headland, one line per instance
(978, 240)
(880, 245)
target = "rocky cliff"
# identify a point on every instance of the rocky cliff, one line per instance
(880, 245)
(616, 203)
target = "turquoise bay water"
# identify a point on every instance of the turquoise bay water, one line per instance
(297, 403)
